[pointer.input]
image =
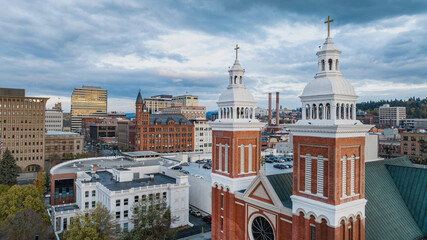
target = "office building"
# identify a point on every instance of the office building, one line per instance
(126, 134)
(155, 103)
(202, 136)
(22, 128)
(54, 120)
(186, 100)
(391, 116)
(191, 113)
(87, 102)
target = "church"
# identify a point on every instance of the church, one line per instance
(332, 193)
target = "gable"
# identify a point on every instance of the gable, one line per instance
(261, 194)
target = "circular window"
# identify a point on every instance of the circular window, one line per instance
(261, 229)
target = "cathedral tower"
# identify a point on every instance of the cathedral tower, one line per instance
(236, 149)
(328, 200)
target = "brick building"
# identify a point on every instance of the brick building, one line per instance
(162, 132)
(413, 145)
(63, 144)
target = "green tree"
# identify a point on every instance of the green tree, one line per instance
(17, 199)
(95, 224)
(3, 188)
(8, 169)
(26, 224)
(152, 219)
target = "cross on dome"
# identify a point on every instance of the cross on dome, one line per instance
(329, 25)
(237, 50)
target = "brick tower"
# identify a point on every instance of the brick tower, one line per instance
(328, 200)
(236, 140)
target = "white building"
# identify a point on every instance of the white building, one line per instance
(391, 115)
(54, 120)
(119, 183)
(202, 136)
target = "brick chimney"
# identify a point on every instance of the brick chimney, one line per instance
(269, 108)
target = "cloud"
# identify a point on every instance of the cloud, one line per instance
(174, 47)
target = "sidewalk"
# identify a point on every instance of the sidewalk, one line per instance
(200, 236)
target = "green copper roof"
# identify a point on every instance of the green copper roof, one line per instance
(412, 185)
(282, 185)
(387, 216)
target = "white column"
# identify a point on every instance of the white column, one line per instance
(250, 158)
(308, 173)
(303, 112)
(219, 157)
(226, 157)
(242, 158)
(354, 112)
(344, 176)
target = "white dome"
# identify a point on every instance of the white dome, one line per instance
(329, 85)
(238, 94)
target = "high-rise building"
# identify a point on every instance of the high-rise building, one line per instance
(191, 113)
(155, 103)
(22, 128)
(413, 145)
(202, 136)
(391, 116)
(87, 102)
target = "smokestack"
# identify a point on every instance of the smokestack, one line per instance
(269, 108)
(277, 109)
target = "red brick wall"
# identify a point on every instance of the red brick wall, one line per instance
(61, 200)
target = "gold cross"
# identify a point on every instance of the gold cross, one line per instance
(329, 25)
(237, 50)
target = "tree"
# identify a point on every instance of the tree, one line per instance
(17, 199)
(26, 224)
(95, 224)
(152, 219)
(8, 169)
(40, 182)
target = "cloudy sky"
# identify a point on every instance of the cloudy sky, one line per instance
(49, 47)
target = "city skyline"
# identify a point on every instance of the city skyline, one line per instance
(50, 49)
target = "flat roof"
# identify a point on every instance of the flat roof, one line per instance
(106, 179)
(60, 133)
(103, 163)
(66, 208)
(141, 154)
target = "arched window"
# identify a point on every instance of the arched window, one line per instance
(235, 79)
(237, 116)
(241, 80)
(307, 111)
(330, 64)
(231, 112)
(328, 111)
(321, 111)
(323, 65)
(351, 111)
(337, 65)
(314, 112)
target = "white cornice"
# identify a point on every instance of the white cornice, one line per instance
(233, 184)
(333, 214)
(303, 128)
(236, 125)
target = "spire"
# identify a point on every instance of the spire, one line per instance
(139, 98)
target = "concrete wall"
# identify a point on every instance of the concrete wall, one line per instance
(371, 147)
(200, 194)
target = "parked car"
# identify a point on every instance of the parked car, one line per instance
(279, 166)
(269, 161)
(196, 213)
(185, 164)
(207, 166)
(207, 219)
(184, 171)
(176, 167)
